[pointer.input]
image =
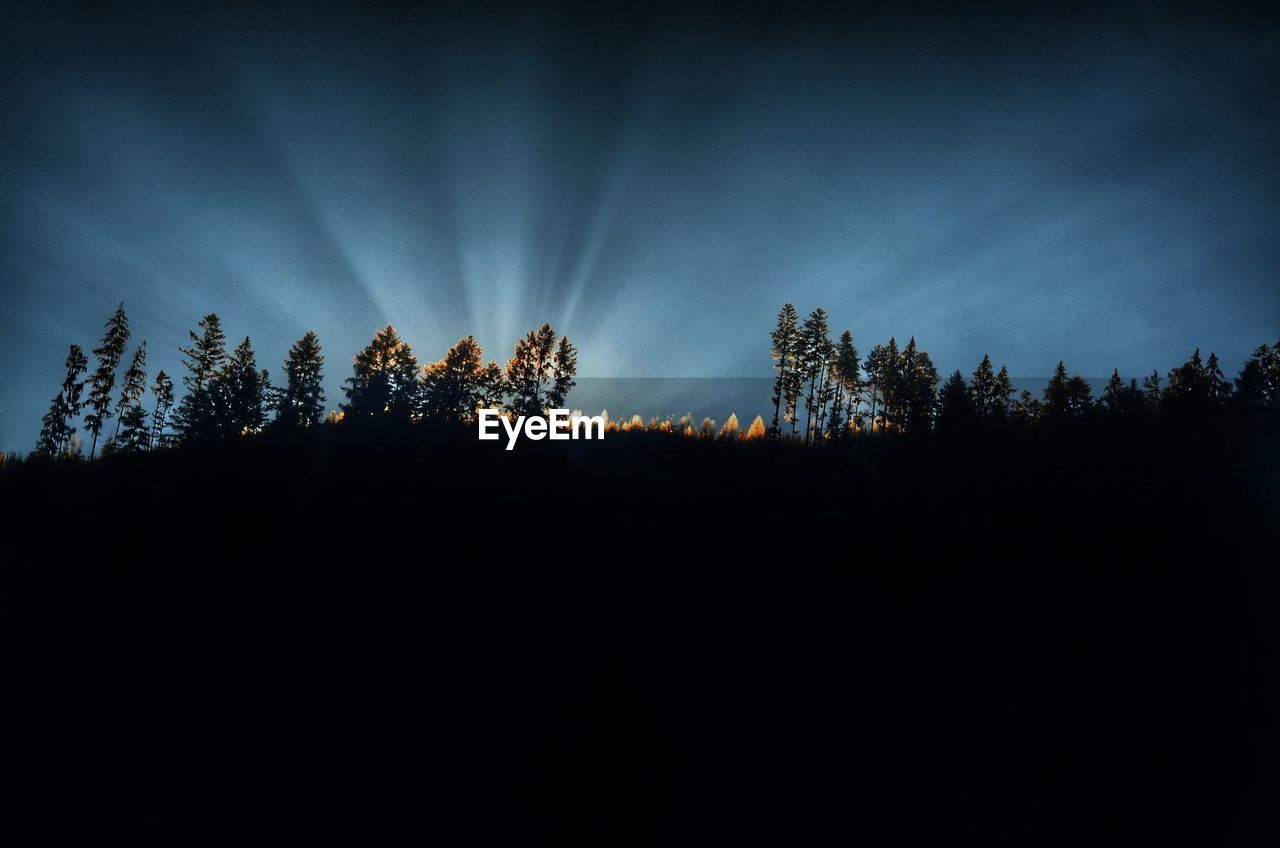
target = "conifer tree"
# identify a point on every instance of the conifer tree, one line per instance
(134, 385)
(1002, 396)
(135, 433)
(540, 372)
(385, 379)
(300, 402)
(199, 413)
(846, 377)
(1065, 396)
(103, 381)
(56, 429)
(241, 390)
(451, 387)
(814, 358)
(163, 391)
(1219, 386)
(982, 388)
(1258, 385)
(957, 406)
(918, 379)
(785, 350)
(1151, 392)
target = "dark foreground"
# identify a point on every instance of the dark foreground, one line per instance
(411, 638)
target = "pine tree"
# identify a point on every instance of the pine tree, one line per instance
(134, 385)
(451, 387)
(957, 406)
(875, 368)
(918, 379)
(135, 434)
(492, 387)
(845, 373)
(163, 391)
(300, 402)
(385, 379)
(1152, 393)
(56, 430)
(242, 392)
(1187, 391)
(1066, 396)
(563, 371)
(103, 381)
(1002, 396)
(1219, 385)
(1113, 395)
(785, 352)
(540, 373)
(200, 413)
(1258, 386)
(982, 388)
(814, 358)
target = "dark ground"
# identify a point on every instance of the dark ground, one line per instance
(377, 638)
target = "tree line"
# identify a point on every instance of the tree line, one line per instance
(228, 395)
(823, 390)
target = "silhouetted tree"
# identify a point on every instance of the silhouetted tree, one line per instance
(1219, 385)
(1258, 386)
(241, 392)
(492, 388)
(814, 357)
(451, 388)
(1026, 409)
(786, 352)
(134, 385)
(540, 373)
(1065, 396)
(1120, 399)
(1002, 396)
(135, 433)
(918, 381)
(846, 373)
(103, 381)
(1186, 392)
(982, 388)
(300, 402)
(163, 391)
(957, 407)
(56, 429)
(1151, 393)
(199, 412)
(385, 379)
(876, 369)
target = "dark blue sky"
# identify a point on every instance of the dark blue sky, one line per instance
(654, 179)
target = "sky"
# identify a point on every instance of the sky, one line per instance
(655, 179)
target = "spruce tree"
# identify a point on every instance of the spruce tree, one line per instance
(540, 373)
(163, 391)
(242, 392)
(200, 412)
(1002, 396)
(103, 381)
(814, 358)
(957, 406)
(134, 385)
(785, 348)
(56, 429)
(451, 387)
(300, 402)
(384, 379)
(135, 433)
(982, 388)
(845, 372)
(1219, 385)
